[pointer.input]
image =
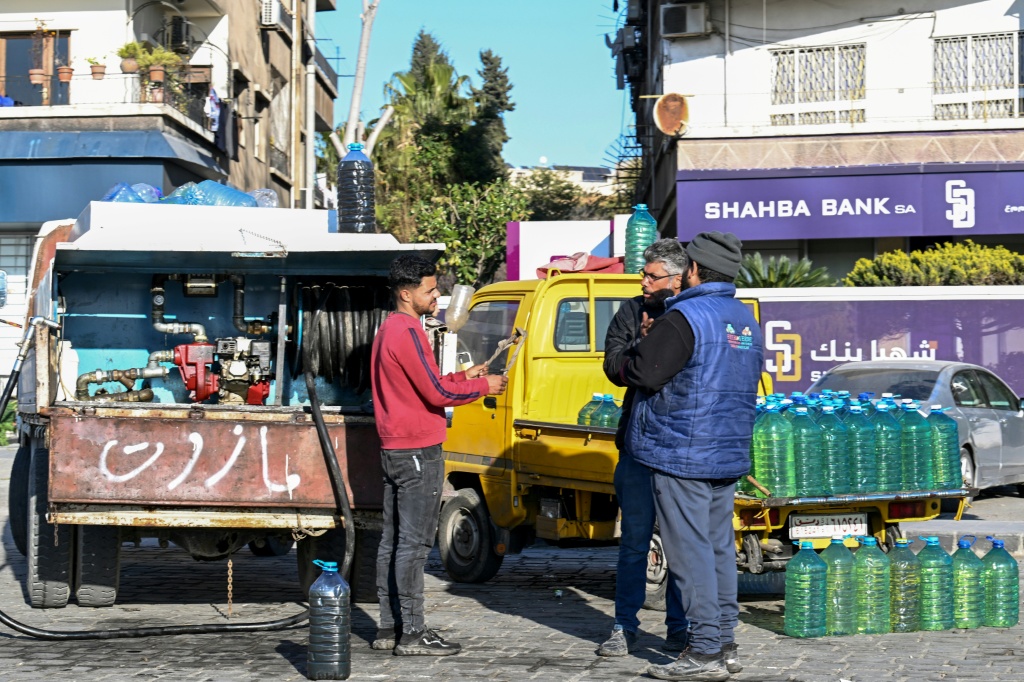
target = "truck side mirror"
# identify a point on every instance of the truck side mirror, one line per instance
(3, 288)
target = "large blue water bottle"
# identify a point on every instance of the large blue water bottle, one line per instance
(863, 451)
(356, 192)
(936, 585)
(806, 575)
(808, 439)
(917, 449)
(840, 589)
(604, 415)
(583, 418)
(835, 448)
(641, 232)
(889, 448)
(946, 444)
(330, 623)
(968, 590)
(1001, 579)
(772, 446)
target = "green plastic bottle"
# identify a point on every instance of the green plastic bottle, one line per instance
(946, 446)
(1001, 578)
(917, 446)
(805, 593)
(905, 588)
(773, 452)
(583, 418)
(641, 232)
(840, 589)
(872, 574)
(835, 451)
(936, 584)
(808, 439)
(603, 415)
(968, 590)
(888, 448)
(863, 451)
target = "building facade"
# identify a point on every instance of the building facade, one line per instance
(66, 140)
(835, 131)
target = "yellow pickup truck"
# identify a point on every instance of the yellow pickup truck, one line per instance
(519, 467)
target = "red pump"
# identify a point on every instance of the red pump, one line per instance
(194, 361)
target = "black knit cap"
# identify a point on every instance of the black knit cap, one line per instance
(719, 251)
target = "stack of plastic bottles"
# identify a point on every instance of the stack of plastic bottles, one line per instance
(870, 592)
(602, 410)
(858, 446)
(206, 193)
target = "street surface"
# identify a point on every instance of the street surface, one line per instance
(513, 628)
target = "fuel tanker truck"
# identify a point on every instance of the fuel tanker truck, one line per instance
(198, 374)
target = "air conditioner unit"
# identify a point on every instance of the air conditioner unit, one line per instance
(181, 38)
(274, 15)
(684, 20)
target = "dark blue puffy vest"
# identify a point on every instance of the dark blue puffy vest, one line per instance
(699, 425)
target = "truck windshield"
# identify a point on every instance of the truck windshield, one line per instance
(489, 322)
(915, 384)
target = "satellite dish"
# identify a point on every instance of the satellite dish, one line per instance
(671, 114)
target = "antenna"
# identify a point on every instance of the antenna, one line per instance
(672, 114)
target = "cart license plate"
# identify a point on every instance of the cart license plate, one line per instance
(827, 525)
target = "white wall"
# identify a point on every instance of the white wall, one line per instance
(541, 240)
(898, 64)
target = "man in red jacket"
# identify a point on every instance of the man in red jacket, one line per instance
(409, 398)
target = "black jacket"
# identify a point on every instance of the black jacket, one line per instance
(623, 334)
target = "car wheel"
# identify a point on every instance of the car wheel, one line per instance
(969, 475)
(465, 539)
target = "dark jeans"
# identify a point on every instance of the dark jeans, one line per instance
(412, 500)
(636, 502)
(696, 529)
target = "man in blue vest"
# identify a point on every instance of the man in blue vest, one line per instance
(696, 373)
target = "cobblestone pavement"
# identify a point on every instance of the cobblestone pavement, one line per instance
(513, 628)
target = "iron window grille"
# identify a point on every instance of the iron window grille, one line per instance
(818, 85)
(978, 76)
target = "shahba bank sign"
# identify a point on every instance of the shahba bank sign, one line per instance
(869, 201)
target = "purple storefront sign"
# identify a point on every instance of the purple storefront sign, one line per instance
(804, 339)
(868, 201)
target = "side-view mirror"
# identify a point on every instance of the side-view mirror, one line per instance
(3, 288)
(1021, 405)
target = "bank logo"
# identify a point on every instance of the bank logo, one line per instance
(786, 362)
(961, 200)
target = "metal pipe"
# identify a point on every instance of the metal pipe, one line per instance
(238, 313)
(126, 377)
(158, 356)
(158, 294)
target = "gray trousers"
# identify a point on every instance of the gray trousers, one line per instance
(413, 480)
(696, 531)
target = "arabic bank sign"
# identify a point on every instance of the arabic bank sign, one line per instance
(869, 201)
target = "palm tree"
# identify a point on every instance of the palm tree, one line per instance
(756, 274)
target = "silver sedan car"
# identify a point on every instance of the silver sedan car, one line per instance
(989, 415)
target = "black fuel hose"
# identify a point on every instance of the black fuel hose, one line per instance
(129, 633)
(326, 446)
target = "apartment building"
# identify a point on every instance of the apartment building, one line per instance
(831, 130)
(66, 137)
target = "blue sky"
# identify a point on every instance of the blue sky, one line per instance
(567, 107)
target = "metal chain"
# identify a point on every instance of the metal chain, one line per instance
(283, 248)
(230, 584)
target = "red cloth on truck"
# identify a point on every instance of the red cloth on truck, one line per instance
(583, 262)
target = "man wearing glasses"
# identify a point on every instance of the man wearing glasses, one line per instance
(661, 278)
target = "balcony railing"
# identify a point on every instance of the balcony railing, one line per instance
(278, 160)
(112, 89)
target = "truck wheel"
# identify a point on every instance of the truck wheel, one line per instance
(49, 546)
(97, 565)
(465, 539)
(271, 545)
(772, 582)
(331, 547)
(17, 498)
(657, 575)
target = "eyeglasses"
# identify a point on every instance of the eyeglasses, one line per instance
(654, 278)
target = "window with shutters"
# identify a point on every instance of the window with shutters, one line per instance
(978, 76)
(818, 85)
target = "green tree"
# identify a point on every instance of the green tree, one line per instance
(480, 144)
(470, 219)
(550, 195)
(948, 264)
(327, 156)
(426, 51)
(755, 273)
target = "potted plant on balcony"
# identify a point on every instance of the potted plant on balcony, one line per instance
(99, 69)
(37, 73)
(64, 72)
(157, 62)
(129, 54)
